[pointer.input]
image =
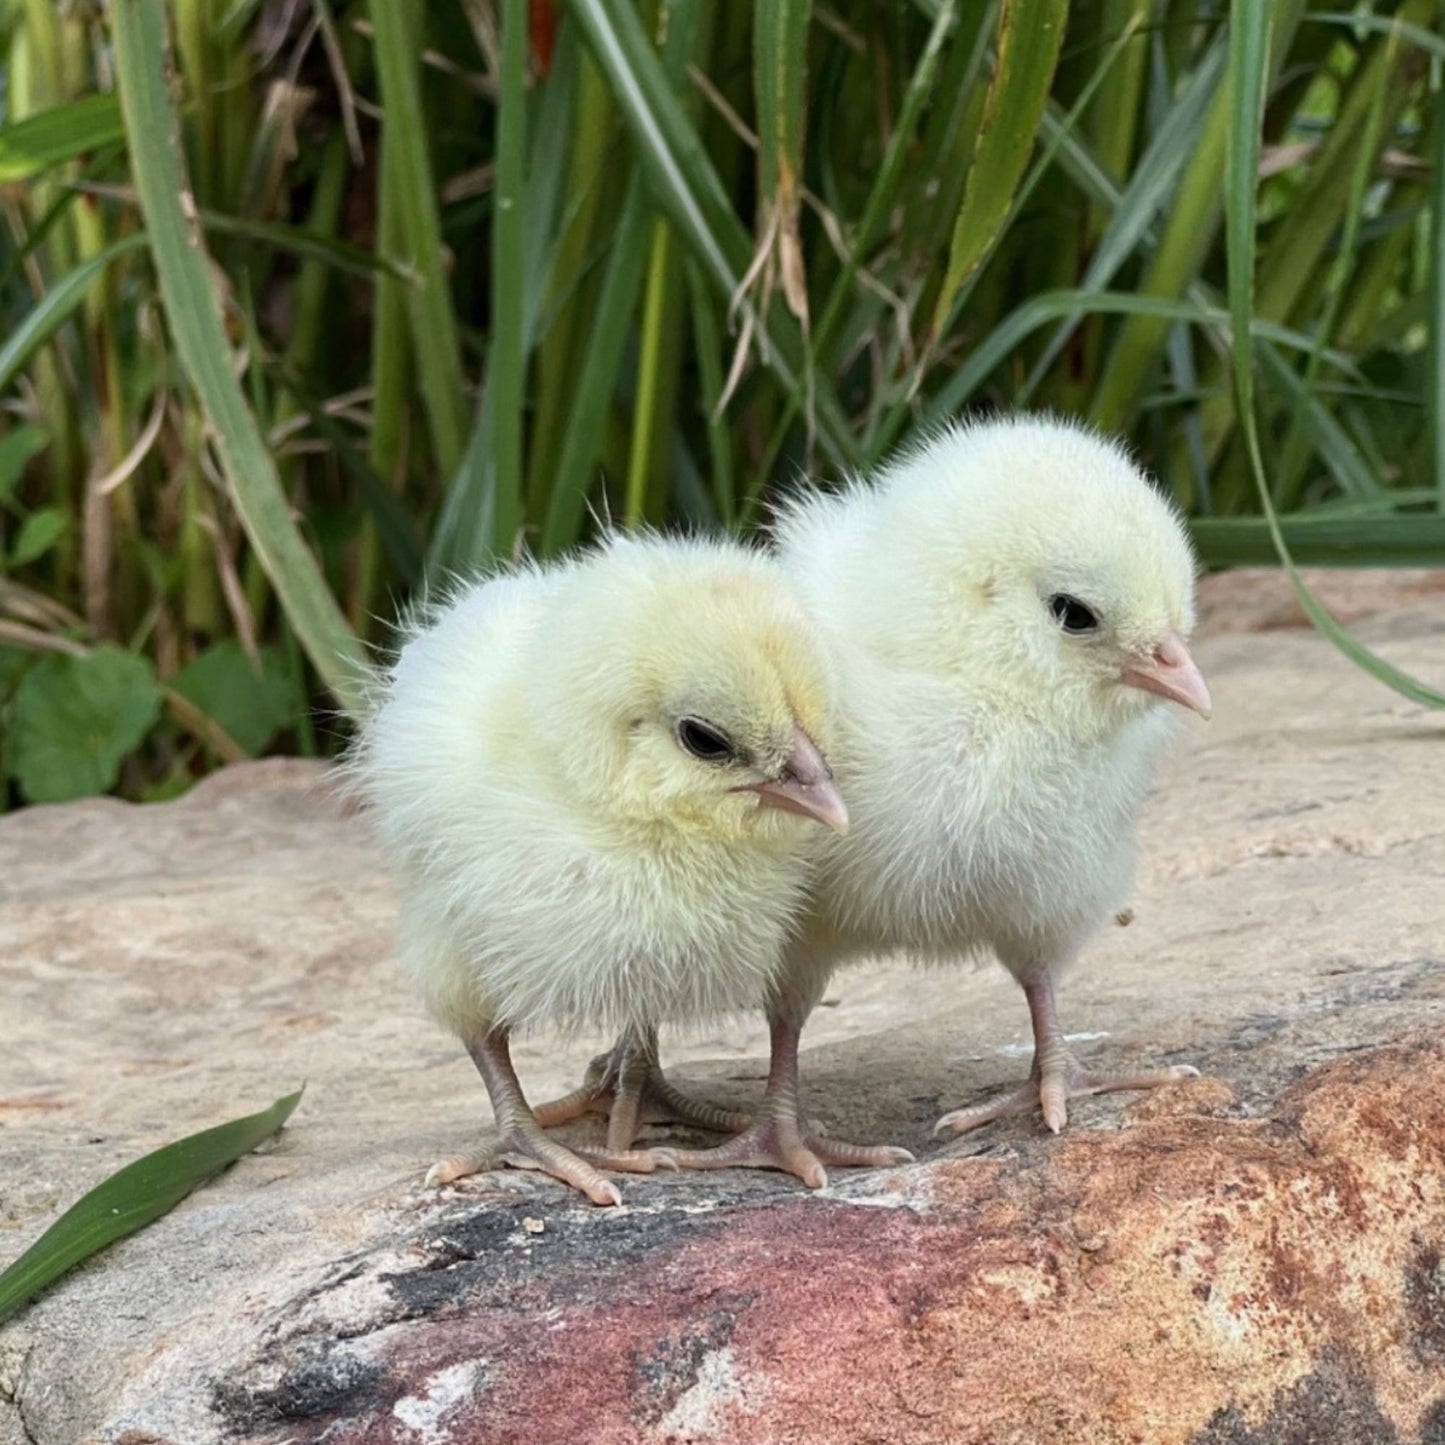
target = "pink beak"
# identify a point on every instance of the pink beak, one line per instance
(804, 786)
(1170, 672)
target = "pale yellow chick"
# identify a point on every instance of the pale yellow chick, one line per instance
(1006, 609)
(600, 783)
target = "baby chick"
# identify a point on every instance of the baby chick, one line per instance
(599, 782)
(1006, 610)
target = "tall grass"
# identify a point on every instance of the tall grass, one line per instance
(445, 282)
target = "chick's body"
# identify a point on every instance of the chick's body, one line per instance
(1005, 611)
(571, 769)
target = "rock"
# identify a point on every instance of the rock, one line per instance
(1252, 1258)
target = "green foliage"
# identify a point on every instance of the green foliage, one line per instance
(426, 285)
(134, 1196)
(75, 720)
(61, 134)
(251, 702)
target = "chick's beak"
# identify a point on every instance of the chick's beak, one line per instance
(804, 786)
(1170, 672)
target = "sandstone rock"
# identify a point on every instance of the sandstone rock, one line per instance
(1250, 1259)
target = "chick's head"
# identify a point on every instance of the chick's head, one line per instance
(689, 694)
(1039, 563)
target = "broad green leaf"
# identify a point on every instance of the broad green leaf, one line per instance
(39, 532)
(76, 719)
(40, 142)
(251, 706)
(17, 446)
(1029, 36)
(134, 1196)
(194, 314)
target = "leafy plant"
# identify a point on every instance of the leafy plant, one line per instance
(485, 270)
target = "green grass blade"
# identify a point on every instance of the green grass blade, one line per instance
(1391, 24)
(60, 134)
(1321, 540)
(780, 45)
(708, 342)
(1029, 36)
(687, 187)
(507, 360)
(134, 1196)
(434, 329)
(1147, 191)
(780, 52)
(649, 364)
(597, 380)
(396, 527)
(885, 185)
(1054, 305)
(1331, 441)
(310, 245)
(1248, 68)
(463, 537)
(194, 315)
(43, 320)
(1435, 327)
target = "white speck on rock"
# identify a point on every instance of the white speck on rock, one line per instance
(697, 1413)
(424, 1413)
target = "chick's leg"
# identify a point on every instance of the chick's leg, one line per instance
(1056, 1076)
(628, 1085)
(775, 1139)
(524, 1143)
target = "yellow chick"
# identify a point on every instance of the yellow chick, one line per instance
(598, 782)
(1005, 609)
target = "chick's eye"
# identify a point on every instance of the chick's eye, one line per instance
(1073, 615)
(705, 741)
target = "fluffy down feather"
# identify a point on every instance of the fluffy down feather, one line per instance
(563, 857)
(995, 750)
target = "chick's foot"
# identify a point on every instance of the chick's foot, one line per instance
(524, 1148)
(780, 1144)
(1056, 1076)
(775, 1139)
(521, 1141)
(628, 1085)
(1070, 1080)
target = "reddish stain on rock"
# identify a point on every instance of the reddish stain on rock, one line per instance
(1191, 1278)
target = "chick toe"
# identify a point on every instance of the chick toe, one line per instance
(1048, 1091)
(628, 1086)
(775, 1139)
(778, 1143)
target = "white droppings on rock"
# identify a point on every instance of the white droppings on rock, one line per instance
(424, 1414)
(718, 1389)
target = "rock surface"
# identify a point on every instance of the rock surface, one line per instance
(1254, 1258)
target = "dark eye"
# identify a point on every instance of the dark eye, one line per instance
(705, 741)
(1073, 615)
